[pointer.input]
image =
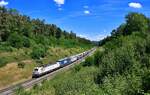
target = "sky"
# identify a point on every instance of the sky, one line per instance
(92, 19)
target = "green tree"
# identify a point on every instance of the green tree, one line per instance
(26, 42)
(88, 61)
(97, 58)
(58, 33)
(136, 22)
(15, 40)
(4, 24)
(19, 30)
(38, 52)
(119, 31)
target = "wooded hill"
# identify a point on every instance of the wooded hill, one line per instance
(33, 37)
(19, 31)
(124, 65)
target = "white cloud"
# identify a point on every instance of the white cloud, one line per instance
(87, 12)
(59, 2)
(135, 5)
(3, 3)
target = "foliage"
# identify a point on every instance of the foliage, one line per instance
(19, 30)
(125, 61)
(38, 52)
(136, 22)
(22, 91)
(3, 62)
(88, 61)
(77, 68)
(97, 57)
(15, 40)
(5, 47)
(58, 33)
(26, 42)
(21, 65)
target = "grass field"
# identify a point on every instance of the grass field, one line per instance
(11, 74)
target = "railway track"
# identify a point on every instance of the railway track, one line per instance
(31, 82)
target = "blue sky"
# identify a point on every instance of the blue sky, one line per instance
(92, 19)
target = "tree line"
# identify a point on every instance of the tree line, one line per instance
(135, 22)
(19, 30)
(33, 36)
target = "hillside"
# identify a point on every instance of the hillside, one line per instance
(32, 36)
(26, 43)
(121, 66)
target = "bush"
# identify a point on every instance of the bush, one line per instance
(89, 61)
(77, 68)
(5, 47)
(40, 39)
(38, 52)
(15, 40)
(97, 58)
(26, 42)
(3, 62)
(21, 65)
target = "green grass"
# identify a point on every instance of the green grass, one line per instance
(16, 55)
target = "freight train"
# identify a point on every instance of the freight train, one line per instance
(45, 69)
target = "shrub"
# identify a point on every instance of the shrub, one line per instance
(77, 68)
(3, 62)
(38, 52)
(97, 58)
(6, 47)
(21, 65)
(88, 61)
(26, 42)
(15, 40)
(40, 39)
(146, 82)
(35, 86)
